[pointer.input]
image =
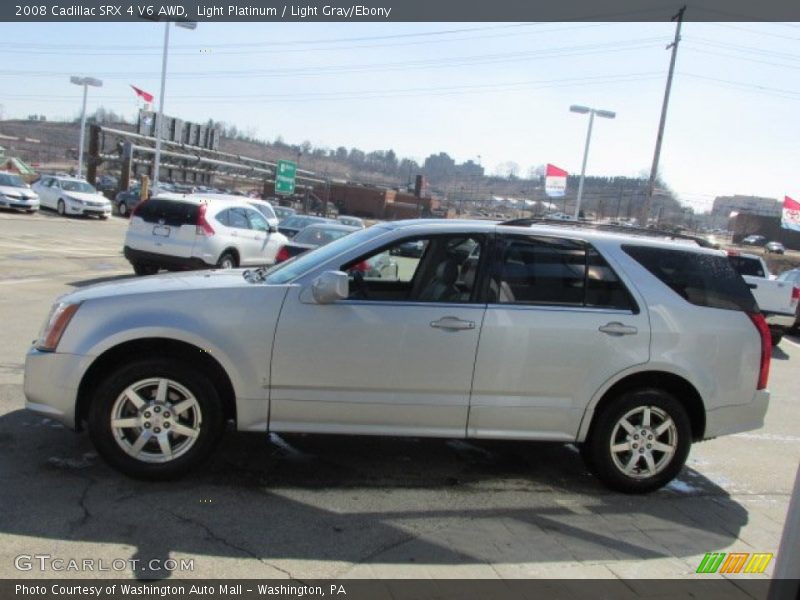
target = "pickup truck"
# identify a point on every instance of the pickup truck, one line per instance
(778, 300)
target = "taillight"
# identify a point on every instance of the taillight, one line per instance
(795, 295)
(282, 255)
(733, 253)
(137, 207)
(203, 226)
(766, 348)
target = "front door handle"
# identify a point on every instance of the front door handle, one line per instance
(617, 328)
(453, 323)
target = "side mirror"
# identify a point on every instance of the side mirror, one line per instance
(272, 228)
(330, 287)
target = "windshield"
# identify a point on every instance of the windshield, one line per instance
(11, 180)
(294, 268)
(77, 186)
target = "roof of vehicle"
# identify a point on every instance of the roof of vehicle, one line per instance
(233, 201)
(583, 230)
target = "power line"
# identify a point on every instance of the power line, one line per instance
(454, 61)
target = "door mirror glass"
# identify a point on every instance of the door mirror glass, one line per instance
(330, 287)
(273, 229)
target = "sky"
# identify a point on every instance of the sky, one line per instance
(498, 91)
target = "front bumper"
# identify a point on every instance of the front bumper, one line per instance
(51, 384)
(30, 204)
(736, 418)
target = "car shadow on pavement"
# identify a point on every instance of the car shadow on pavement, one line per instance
(779, 354)
(320, 506)
(108, 279)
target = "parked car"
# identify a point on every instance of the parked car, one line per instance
(283, 212)
(127, 201)
(291, 225)
(350, 221)
(792, 277)
(754, 240)
(311, 237)
(413, 248)
(107, 183)
(176, 232)
(561, 334)
(777, 300)
(71, 196)
(775, 248)
(16, 194)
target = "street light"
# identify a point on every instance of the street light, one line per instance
(606, 114)
(160, 115)
(85, 82)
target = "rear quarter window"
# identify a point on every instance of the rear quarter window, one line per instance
(747, 266)
(701, 279)
(174, 214)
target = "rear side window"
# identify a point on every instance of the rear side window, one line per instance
(170, 212)
(550, 271)
(747, 266)
(702, 279)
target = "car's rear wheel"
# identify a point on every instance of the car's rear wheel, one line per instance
(227, 261)
(61, 208)
(639, 441)
(144, 269)
(155, 418)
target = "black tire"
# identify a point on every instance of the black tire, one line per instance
(122, 209)
(601, 460)
(227, 261)
(109, 445)
(61, 208)
(144, 269)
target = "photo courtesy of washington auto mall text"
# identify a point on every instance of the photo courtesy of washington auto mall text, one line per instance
(414, 300)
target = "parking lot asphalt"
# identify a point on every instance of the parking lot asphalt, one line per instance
(325, 506)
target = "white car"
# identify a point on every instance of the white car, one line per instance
(72, 196)
(15, 193)
(178, 232)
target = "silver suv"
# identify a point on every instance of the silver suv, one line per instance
(178, 232)
(631, 347)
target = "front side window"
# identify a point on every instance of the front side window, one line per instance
(440, 268)
(556, 272)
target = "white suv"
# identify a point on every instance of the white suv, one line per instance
(631, 347)
(177, 232)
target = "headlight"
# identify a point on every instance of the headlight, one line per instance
(55, 325)
(76, 201)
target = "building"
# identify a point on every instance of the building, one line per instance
(753, 205)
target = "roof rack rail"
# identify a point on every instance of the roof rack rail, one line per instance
(527, 222)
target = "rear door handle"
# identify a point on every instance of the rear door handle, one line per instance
(453, 323)
(617, 328)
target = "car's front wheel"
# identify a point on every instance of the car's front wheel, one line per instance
(155, 418)
(639, 441)
(61, 208)
(122, 209)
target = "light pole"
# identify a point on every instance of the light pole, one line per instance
(160, 114)
(606, 114)
(85, 82)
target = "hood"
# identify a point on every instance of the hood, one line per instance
(18, 191)
(86, 197)
(154, 284)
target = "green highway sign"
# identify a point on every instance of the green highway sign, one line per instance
(284, 177)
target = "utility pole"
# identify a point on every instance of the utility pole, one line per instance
(656, 155)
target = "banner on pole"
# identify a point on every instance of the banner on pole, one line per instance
(555, 182)
(790, 216)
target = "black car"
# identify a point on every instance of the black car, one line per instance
(291, 225)
(126, 201)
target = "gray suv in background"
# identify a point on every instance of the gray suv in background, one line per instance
(629, 346)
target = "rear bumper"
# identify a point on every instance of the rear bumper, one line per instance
(177, 263)
(739, 417)
(780, 320)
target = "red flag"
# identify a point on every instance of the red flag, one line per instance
(554, 171)
(790, 216)
(142, 94)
